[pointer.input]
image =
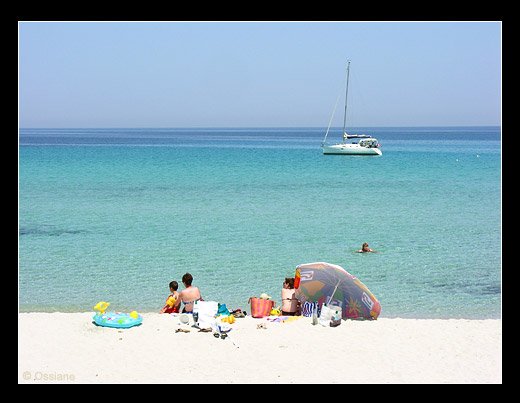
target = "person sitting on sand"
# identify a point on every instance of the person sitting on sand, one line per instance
(364, 249)
(290, 305)
(189, 295)
(167, 308)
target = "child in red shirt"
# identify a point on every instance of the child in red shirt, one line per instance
(169, 306)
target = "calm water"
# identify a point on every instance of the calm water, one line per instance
(116, 214)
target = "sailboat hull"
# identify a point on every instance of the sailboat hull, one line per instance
(350, 149)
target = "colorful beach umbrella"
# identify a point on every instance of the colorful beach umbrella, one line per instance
(331, 284)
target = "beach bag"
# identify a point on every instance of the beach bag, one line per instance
(260, 308)
(222, 310)
(329, 313)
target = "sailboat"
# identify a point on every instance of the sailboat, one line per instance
(366, 145)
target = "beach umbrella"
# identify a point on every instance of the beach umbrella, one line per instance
(331, 284)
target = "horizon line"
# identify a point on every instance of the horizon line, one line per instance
(244, 127)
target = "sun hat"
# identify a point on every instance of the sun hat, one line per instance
(264, 296)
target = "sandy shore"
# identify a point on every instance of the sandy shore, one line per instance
(69, 348)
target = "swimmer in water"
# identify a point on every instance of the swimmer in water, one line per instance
(364, 249)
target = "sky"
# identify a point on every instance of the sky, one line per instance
(258, 74)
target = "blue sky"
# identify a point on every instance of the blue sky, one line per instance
(258, 74)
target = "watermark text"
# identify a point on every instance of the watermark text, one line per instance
(47, 376)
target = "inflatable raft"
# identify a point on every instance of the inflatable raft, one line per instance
(116, 319)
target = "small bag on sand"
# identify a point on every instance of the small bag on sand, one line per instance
(260, 308)
(329, 313)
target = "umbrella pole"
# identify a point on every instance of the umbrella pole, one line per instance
(333, 292)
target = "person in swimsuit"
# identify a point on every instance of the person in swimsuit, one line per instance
(189, 295)
(290, 305)
(364, 249)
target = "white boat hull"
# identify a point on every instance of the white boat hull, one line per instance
(350, 149)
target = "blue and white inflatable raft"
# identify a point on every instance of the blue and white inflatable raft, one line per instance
(116, 319)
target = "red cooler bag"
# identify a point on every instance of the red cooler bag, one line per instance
(260, 308)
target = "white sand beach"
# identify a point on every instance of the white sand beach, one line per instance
(69, 348)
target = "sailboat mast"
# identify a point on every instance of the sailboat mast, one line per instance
(346, 94)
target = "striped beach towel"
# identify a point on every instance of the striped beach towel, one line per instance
(308, 307)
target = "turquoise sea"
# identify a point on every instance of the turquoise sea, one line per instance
(116, 214)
